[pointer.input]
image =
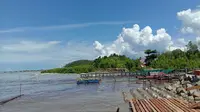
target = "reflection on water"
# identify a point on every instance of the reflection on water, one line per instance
(61, 92)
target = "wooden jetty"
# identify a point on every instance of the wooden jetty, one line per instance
(161, 105)
(121, 73)
(109, 74)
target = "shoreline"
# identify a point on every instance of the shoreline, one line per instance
(168, 90)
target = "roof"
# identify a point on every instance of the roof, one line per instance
(160, 105)
(159, 70)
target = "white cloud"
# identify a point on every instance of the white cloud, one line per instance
(28, 46)
(181, 41)
(190, 21)
(12, 30)
(99, 47)
(49, 52)
(186, 30)
(198, 41)
(67, 26)
(133, 41)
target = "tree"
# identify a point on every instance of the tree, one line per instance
(177, 53)
(151, 55)
(96, 62)
(148, 51)
(129, 65)
(191, 48)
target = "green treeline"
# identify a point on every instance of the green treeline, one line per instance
(80, 66)
(101, 63)
(116, 61)
(176, 59)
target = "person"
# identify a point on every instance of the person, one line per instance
(149, 83)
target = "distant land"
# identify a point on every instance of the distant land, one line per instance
(21, 71)
(113, 62)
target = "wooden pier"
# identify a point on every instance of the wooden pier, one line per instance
(109, 74)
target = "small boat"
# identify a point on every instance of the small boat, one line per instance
(159, 76)
(147, 77)
(164, 78)
(87, 81)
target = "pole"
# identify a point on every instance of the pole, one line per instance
(20, 90)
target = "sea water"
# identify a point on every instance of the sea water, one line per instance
(60, 93)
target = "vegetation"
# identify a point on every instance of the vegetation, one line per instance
(151, 55)
(116, 61)
(101, 63)
(176, 59)
(80, 66)
(79, 63)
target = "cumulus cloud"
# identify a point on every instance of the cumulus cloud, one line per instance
(134, 41)
(190, 21)
(181, 41)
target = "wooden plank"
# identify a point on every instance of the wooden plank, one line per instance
(182, 106)
(174, 106)
(132, 106)
(186, 104)
(193, 87)
(177, 109)
(158, 105)
(140, 106)
(151, 106)
(144, 107)
(182, 102)
(164, 108)
(136, 106)
(169, 106)
(154, 106)
(162, 103)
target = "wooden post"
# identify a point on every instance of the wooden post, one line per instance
(20, 91)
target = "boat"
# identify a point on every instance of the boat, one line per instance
(87, 81)
(159, 76)
(147, 77)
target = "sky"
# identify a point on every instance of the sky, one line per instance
(43, 34)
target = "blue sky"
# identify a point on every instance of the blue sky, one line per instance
(70, 27)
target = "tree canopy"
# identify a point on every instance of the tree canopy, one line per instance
(151, 55)
(178, 59)
(101, 63)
